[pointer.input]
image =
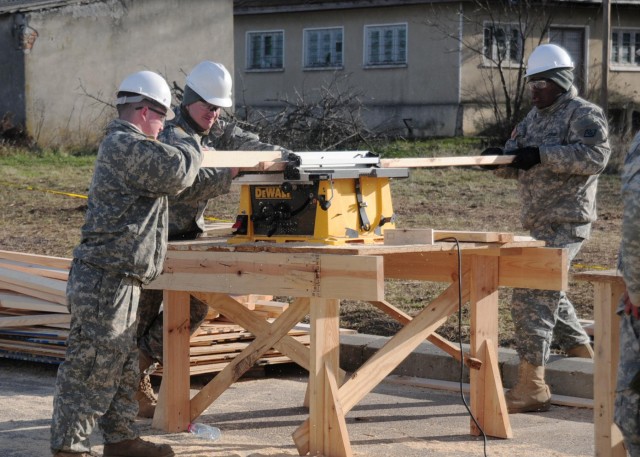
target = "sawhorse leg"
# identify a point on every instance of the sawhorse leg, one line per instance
(173, 410)
(488, 404)
(608, 439)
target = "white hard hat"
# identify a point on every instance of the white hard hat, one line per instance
(212, 82)
(547, 57)
(148, 85)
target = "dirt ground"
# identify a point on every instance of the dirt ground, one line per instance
(257, 416)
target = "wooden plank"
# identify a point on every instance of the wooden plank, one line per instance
(251, 160)
(435, 339)
(395, 237)
(327, 436)
(286, 274)
(474, 237)
(535, 268)
(600, 276)
(38, 270)
(271, 308)
(398, 347)
(483, 300)
(173, 411)
(607, 289)
(50, 286)
(247, 358)
(40, 319)
(43, 295)
(44, 260)
(272, 161)
(387, 358)
(429, 162)
(10, 299)
(440, 266)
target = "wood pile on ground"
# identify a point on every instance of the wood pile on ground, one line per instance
(34, 319)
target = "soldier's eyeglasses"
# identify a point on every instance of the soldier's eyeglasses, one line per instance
(538, 84)
(157, 111)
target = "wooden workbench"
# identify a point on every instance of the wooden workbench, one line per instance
(318, 277)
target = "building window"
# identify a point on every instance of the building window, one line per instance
(625, 44)
(265, 50)
(323, 48)
(502, 44)
(385, 44)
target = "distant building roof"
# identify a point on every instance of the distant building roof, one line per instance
(15, 6)
(276, 6)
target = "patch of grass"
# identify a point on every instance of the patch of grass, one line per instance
(435, 147)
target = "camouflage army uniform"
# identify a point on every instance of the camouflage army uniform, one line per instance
(186, 218)
(558, 198)
(123, 246)
(627, 408)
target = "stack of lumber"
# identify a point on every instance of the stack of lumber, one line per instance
(34, 319)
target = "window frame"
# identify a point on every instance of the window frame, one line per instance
(507, 62)
(306, 51)
(382, 28)
(249, 50)
(616, 51)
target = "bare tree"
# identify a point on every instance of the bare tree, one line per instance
(503, 27)
(324, 118)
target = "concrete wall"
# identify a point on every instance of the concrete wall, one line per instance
(424, 92)
(83, 51)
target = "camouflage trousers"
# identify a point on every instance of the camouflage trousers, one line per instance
(541, 317)
(98, 379)
(149, 332)
(627, 406)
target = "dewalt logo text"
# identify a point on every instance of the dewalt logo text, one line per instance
(271, 192)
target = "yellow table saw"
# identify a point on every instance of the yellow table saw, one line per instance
(333, 197)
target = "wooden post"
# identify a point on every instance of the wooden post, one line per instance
(488, 404)
(173, 410)
(608, 439)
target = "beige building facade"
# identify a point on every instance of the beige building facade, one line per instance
(62, 61)
(424, 68)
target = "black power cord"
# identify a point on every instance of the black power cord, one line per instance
(461, 379)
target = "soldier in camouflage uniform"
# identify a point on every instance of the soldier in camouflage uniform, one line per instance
(123, 244)
(561, 147)
(627, 408)
(208, 88)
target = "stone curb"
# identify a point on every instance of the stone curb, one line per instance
(571, 377)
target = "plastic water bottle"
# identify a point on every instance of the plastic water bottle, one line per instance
(204, 431)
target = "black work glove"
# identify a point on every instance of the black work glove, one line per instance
(491, 152)
(525, 158)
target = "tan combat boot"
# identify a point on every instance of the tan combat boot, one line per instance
(137, 448)
(581, 350)
(145, 396)
(531, 393)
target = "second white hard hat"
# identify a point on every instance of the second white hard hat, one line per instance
(212, 82)
(547, 57)
(146, 84)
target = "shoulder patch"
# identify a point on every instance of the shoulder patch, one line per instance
(590, 133)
